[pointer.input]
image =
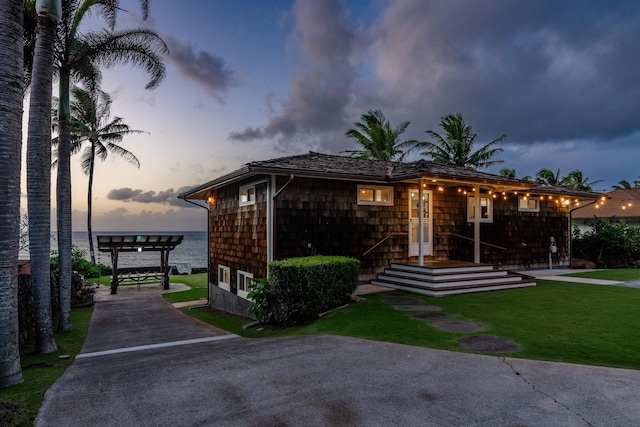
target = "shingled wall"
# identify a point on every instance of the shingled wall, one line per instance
(323, 217)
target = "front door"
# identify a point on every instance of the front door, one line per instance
(427, 248)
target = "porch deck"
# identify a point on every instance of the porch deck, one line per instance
(450, 277)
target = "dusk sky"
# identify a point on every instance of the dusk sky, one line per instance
(253, 80)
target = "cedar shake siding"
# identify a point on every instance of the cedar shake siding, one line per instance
(319, 216)
(238, 234)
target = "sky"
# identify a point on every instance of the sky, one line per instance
(253, 80)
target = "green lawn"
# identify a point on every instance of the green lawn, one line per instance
(197, 282)
(568, 322)
(620, 274)
(19, 404)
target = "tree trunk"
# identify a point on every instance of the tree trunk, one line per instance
(39, 181)
(89, 204)
(11, 82)
(63, 202)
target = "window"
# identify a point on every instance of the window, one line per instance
(375, 195)
(528, 204)
(247, 195)
(224, 277)
(486, 209)
(244, 279)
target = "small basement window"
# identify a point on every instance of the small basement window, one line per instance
(224, 277)
(486, 209)
(375, 195)
(247, 195)
(528, 204)
(244, 279)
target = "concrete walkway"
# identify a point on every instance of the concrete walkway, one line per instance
(144, 363)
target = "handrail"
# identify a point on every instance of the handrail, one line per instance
(471, 240)
(384, 239)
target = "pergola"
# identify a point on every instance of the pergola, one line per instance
(115, 244)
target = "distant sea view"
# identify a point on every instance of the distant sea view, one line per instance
(192, 250)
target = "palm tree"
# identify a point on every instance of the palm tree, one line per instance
(626, 185)
(455, 148)
(79, 57)
(90, 121)
(378, 139)
(575, 180)
(547, 177)
(39, 172)
(11, 82)
(508, 173)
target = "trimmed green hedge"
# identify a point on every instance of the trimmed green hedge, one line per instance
(299, 289)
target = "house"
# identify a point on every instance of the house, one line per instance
(622, 204)
(370, 210)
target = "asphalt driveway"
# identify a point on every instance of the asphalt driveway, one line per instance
(150, 365)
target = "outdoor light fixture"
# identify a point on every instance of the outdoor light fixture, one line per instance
(139, 249)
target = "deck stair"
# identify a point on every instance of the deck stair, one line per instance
(440, 278)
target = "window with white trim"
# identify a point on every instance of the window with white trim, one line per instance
(244, 279)
(224, 277)
(486, 209)
(528, 204)
(247, 195)
(375, 195)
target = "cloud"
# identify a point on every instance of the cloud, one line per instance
(539, 71)
(202, 68)
(167, 197)
(324, 43)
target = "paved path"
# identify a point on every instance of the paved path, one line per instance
(146, 364)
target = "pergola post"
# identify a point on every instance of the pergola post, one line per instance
(114, 271)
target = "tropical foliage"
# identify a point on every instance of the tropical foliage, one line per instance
(455, 147)
(574, 179)
(91, 122)
(378, 139)
(609, 243)
(79, 58)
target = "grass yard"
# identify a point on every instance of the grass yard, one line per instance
(19, 404)
(568, 322)
(619, 274)
(197, 282)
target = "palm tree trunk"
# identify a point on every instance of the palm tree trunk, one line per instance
(89, 204)
(63, 202)
(11, 55)
(39, 181)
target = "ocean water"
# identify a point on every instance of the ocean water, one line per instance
(192, 250)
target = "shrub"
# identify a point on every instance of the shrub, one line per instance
(80, 265)
(260, 298)
(299, 289)
(610, 243)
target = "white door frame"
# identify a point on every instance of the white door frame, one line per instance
(427, 246)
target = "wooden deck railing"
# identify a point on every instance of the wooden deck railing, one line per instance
(471, 240)
(384, 239)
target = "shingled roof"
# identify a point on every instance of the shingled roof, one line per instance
(621, 203)
(328, 166)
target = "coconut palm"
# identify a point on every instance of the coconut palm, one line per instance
(377, 138)
(80, 57)
(39, 171)
(626, 185)
(548, 177)
(91, 122)
(508, 173)
(576, 180)
(455, 147)
(11, 82)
